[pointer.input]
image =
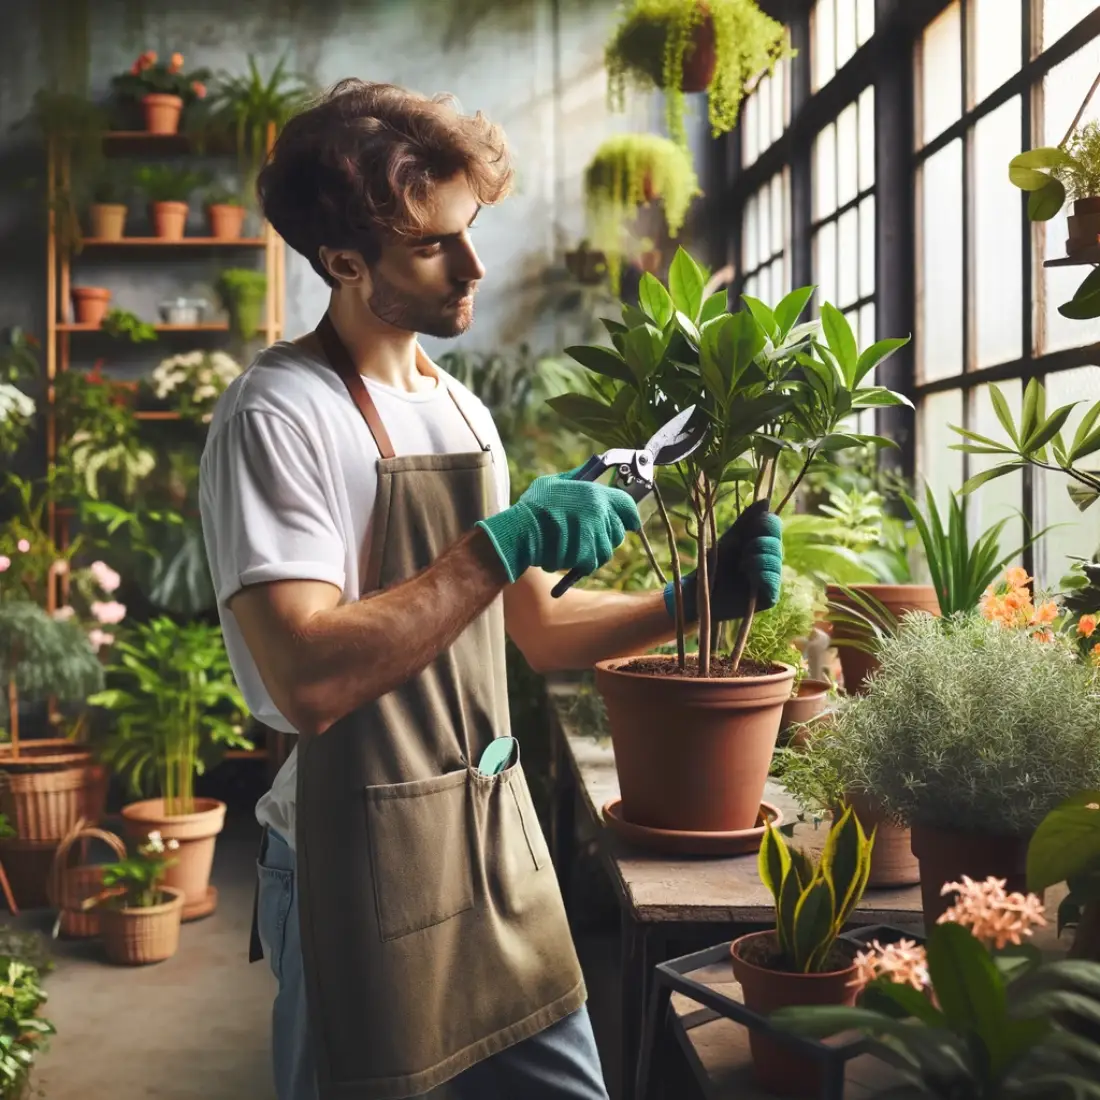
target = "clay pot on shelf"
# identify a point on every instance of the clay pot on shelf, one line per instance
(135, 937)
(162, 113)
(108, 220)
(90, 304)
(810, 700)
(692, 754)
(226, 220)
(1083, 225)
(169, 219)
(892, 861)
(779, 1067)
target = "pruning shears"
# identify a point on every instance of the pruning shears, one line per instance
(671, 443)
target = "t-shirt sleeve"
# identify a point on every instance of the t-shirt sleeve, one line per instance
(266, 510)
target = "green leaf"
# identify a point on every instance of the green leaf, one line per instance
(714, 306)
(687, 327)
(764, 317)
(1046, 156)
(813, 922)
(685, 284)
(601, 360)
(825, 1020)
(841, 341)
(1044, 203)
(643, 348)
(842, 862)
(1084, 429)
(1045, 433)
(876, 397)
(655, 300)
(790, 309)
(1084, 307)
(912, 1002)
(591, 416)
(1004, 415)
(876, 354)
(773, 860)
(1087, 446)
(1066, 843)
(978, 480)
(1082, 496)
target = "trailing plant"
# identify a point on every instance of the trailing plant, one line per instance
(177, 707)
(764, 385)
(242, 293)
(125, 325)
(24, 1032)
(627, 171)
(166, 183)
(193, 381)
(655, 38)
(813, 901)
(150, 76)
(134, 882)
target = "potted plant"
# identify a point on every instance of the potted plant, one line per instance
(162, 89)
(108, 208)
(225, 214)
(193, 381)
(168, 190)
(242, 293)
(801, 961)
(687, 46)
(24, 1034)
(626, 172)
(763, 384)
(177, 707)
(90, 304)
(976, 1012)
(973, 729)
(139, 914)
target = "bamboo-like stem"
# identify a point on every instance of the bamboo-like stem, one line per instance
(654, 564)
(716, 631)
(702, 576)
(678, 585)
(767, 474)
(797, 481)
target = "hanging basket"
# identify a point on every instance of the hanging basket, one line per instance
(69, 886)
(45, 805)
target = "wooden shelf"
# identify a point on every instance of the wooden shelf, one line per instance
(185, 242)
(211, 326)
(1087, 257)
(245, 754)
(157, 414)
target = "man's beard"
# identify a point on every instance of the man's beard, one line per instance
(412, 314)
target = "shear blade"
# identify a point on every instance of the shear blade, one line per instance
(675, 440)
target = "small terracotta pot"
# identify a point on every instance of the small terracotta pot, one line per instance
(169, 219)
(90, 304)
(1091, 205)
(226, 220)
(197, 834)
(947, 854)
(809, 700)
(692, 754)
(162, 113)
(892, 861)
(700, 58)
(108, 220)
(856, 665)
(135, 937)
(779, 1067)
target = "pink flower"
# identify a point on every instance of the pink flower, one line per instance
(112, 612)
(64, 614)
(99, 638)
(23, 546)
(5, 563)
(104, 576)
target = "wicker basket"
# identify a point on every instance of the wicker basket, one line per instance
(133, 937)
(69, 887)
(45, 805)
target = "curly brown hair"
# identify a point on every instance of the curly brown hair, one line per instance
(357, 167)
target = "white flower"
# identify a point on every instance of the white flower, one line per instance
(110, 612)
(14, 403)
(99, 638)
(104, 576)
(64, 614)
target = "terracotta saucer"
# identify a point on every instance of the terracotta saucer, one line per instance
(684, 843)
(203, 907)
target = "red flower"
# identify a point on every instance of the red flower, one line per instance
(199, 89)
(176, 63)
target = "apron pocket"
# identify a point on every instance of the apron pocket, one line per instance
(420, 852)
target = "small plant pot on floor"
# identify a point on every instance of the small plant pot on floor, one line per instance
(225, 220)
(169, 219)
(135, 937)
(90, 304)
(108, 220)
(162, 113)
(197, 834)
(692, 754)
(810, 700)
(779, 1068)
(946, 855)
(892, 861)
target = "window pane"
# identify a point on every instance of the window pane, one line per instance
(941, 319)
(749, 237)
(867, 332)
(867, 246)
(941, 66)
(778, 216)
(764, 223)
(825, 172)
(764, 112)
(781, 99)
(824, 47)
(1002, 497)
(1063, 90)
(750, 145)
(865, 20)
(867, 138)
(1060, 16)
(998, 275)
(938, 465)
(995, 44)
(848, 258)
(845, 31)
(847, 154)
(825, 264)
(1080, 537)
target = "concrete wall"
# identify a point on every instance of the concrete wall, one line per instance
(535, 66)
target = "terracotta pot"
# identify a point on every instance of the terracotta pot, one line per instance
(90, 304)
(947, 854)
(226, 221)
(779, 1068)
(134, 937)
(197, 834)
(700, 58)
(856, 665)
(108, 220)
(587, 266)
(169, 219)
(692, 754)
(1090, 205)
(162, 113)
(892, 860)
(809, 700)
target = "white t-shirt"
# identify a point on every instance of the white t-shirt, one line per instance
(286, 491)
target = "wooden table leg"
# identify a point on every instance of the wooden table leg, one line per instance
(654, 1038)
(632, 1001)
(563, 837)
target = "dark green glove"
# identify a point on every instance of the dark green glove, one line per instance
(750, 555)
(560, 524)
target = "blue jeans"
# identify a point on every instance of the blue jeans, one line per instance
(560, 1062)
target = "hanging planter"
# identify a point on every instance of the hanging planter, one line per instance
(627, 172)
(688, 46)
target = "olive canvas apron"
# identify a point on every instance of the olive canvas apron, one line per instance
(433, 929)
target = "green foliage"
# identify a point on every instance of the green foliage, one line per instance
(1085, 303)
(242, 293)
(134, 882)
(774, 632)
(124, 325)
(1053, 175)
(167, 183)
(177, 707)
(814, 901)
(1066, 848)
(971, 726)
(23, 1032)
(46, 656)
(113, 184)
(654, 37)
(149, 75)
(223, 196)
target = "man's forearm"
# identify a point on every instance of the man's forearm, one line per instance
(358, 652)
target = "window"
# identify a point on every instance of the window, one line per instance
(765, 231)
(766, 113)
(840, 27)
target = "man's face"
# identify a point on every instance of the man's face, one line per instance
(428, 284)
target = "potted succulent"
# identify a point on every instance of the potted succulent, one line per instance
(801, 961)
(162, 88)
(763, 384)
(626, 172)
(139, 915)
(24, 1034)
(108, 207)
(242, 293)
(168, 190)
(687, 46)
(225, 212)
(177, 708)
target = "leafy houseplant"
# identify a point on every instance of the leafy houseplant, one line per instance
(110, 195)
(626, 172)
(801, 961)
(689, 46)
(242, 293)
(194, 381)
(764, 385)
(124, 325)
(23, 1032)
(225, 212)
(162, 88)
(168, 190)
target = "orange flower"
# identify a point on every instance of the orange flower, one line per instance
(1086, 625)
(176, 63)
(1045, 614)
(1094, 653)
(199, 89)
(1043, 636)
(136, 67)
(1017, 576)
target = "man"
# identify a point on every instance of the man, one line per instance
(355, 509)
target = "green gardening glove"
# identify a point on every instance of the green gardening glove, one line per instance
(560, 524)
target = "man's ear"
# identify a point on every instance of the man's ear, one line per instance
(345, 265)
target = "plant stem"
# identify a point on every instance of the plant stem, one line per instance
(767, 474)
(795, 484)
(713, 524)
(654, 564)
(702, 583)
(678, 586)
